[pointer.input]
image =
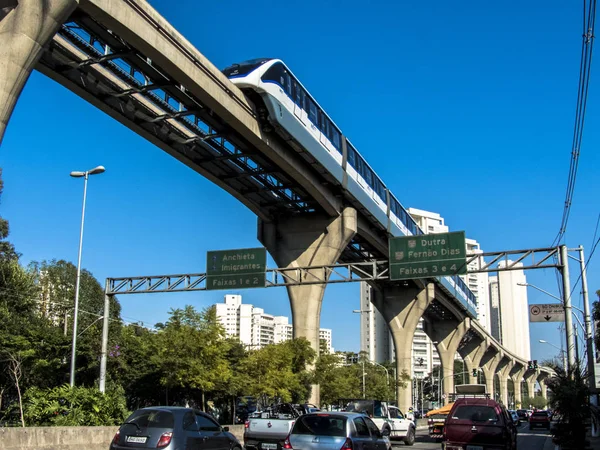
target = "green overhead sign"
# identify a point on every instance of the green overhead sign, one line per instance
(428, 255)
(236, 269)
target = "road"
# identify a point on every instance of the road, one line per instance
(527, 440)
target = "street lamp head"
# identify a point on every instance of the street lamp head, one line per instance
(77, 174)
(542, 341)
(523, 284)
(96, 170)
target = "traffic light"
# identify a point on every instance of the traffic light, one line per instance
(474, 372)
(535, 364)
(530, 365)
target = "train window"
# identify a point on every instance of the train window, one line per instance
(275, 74)
(335, 138)
(368, 174)
(288, 83)
(378, 187)
(351, 155)
(311, 108)
(299, 95)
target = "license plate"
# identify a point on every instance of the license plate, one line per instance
(136, 439)
(268, 446)
(474, 447)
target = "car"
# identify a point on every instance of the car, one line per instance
(336, 430)
(479, 423)
(523, 416)
(171, 427)
(539, 419)
(514, 416)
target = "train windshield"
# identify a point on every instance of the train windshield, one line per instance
(244, 68)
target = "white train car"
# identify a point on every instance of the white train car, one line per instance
(286, 106)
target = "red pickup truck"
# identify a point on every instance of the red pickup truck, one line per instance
(539, 419)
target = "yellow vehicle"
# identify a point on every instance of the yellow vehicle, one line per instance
(436, 420)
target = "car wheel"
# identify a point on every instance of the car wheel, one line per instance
(410, 437)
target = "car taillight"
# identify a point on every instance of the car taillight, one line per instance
(286, 444)
(246, 424)
(116, 438)
(347, 444)
(164, 440)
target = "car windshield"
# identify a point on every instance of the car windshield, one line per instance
(244, 68)
(475, 413)
(321, 425)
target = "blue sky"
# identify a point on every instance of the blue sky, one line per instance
(462, 108)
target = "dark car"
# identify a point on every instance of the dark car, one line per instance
(539, 419)
(479, 424)
(523, 416)
(170, 427)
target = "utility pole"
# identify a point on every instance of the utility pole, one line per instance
(564, 266)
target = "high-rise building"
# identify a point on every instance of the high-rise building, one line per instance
(254, 328)
(479, 285)
(509, 310)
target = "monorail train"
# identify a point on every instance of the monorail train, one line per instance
(283, 104)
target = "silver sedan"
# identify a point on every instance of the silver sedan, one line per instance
(336, 431)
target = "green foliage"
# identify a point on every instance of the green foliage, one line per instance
(77, 406)
(279, 371)
(537, 402)
(7, 250)
(570, 401)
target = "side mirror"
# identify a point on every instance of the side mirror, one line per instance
(225, 428)
(385, 432)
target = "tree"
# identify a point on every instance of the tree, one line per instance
(191, 352)
(7, 250)
(56, 280)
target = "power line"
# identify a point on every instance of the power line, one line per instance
(585, 66)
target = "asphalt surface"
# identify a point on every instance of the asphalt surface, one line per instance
(536, 439)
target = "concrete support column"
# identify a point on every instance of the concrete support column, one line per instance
(489, 362)
(27, 27)
(402, 307)
(541, 379)
(503, 370)
(302, 241)
(448, 335)
(472, 352)
(517, 376)
(530, 378)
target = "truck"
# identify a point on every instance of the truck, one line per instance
(267, 430)
(387, 417)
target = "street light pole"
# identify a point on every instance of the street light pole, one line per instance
(564, 259)
(85, 175)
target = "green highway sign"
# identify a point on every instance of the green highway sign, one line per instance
(428, 255)
(236, 269)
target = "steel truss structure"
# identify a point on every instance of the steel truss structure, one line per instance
(336, 273)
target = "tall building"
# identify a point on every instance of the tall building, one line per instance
(509, 310)
(479, 285)
(254, 328)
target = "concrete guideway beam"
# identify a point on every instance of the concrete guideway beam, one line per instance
(516, 374)
(146, 30)
(24, 32)
(448, 334)
(301, 241)
(402, 307)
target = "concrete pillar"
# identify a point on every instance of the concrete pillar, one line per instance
(402, 307)
(530, 378)
(472, 352)
(448, 334)
(27, 27)
(503, 370)
(541, 379)
(516, 375)
(302, 241)
(489, 362)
